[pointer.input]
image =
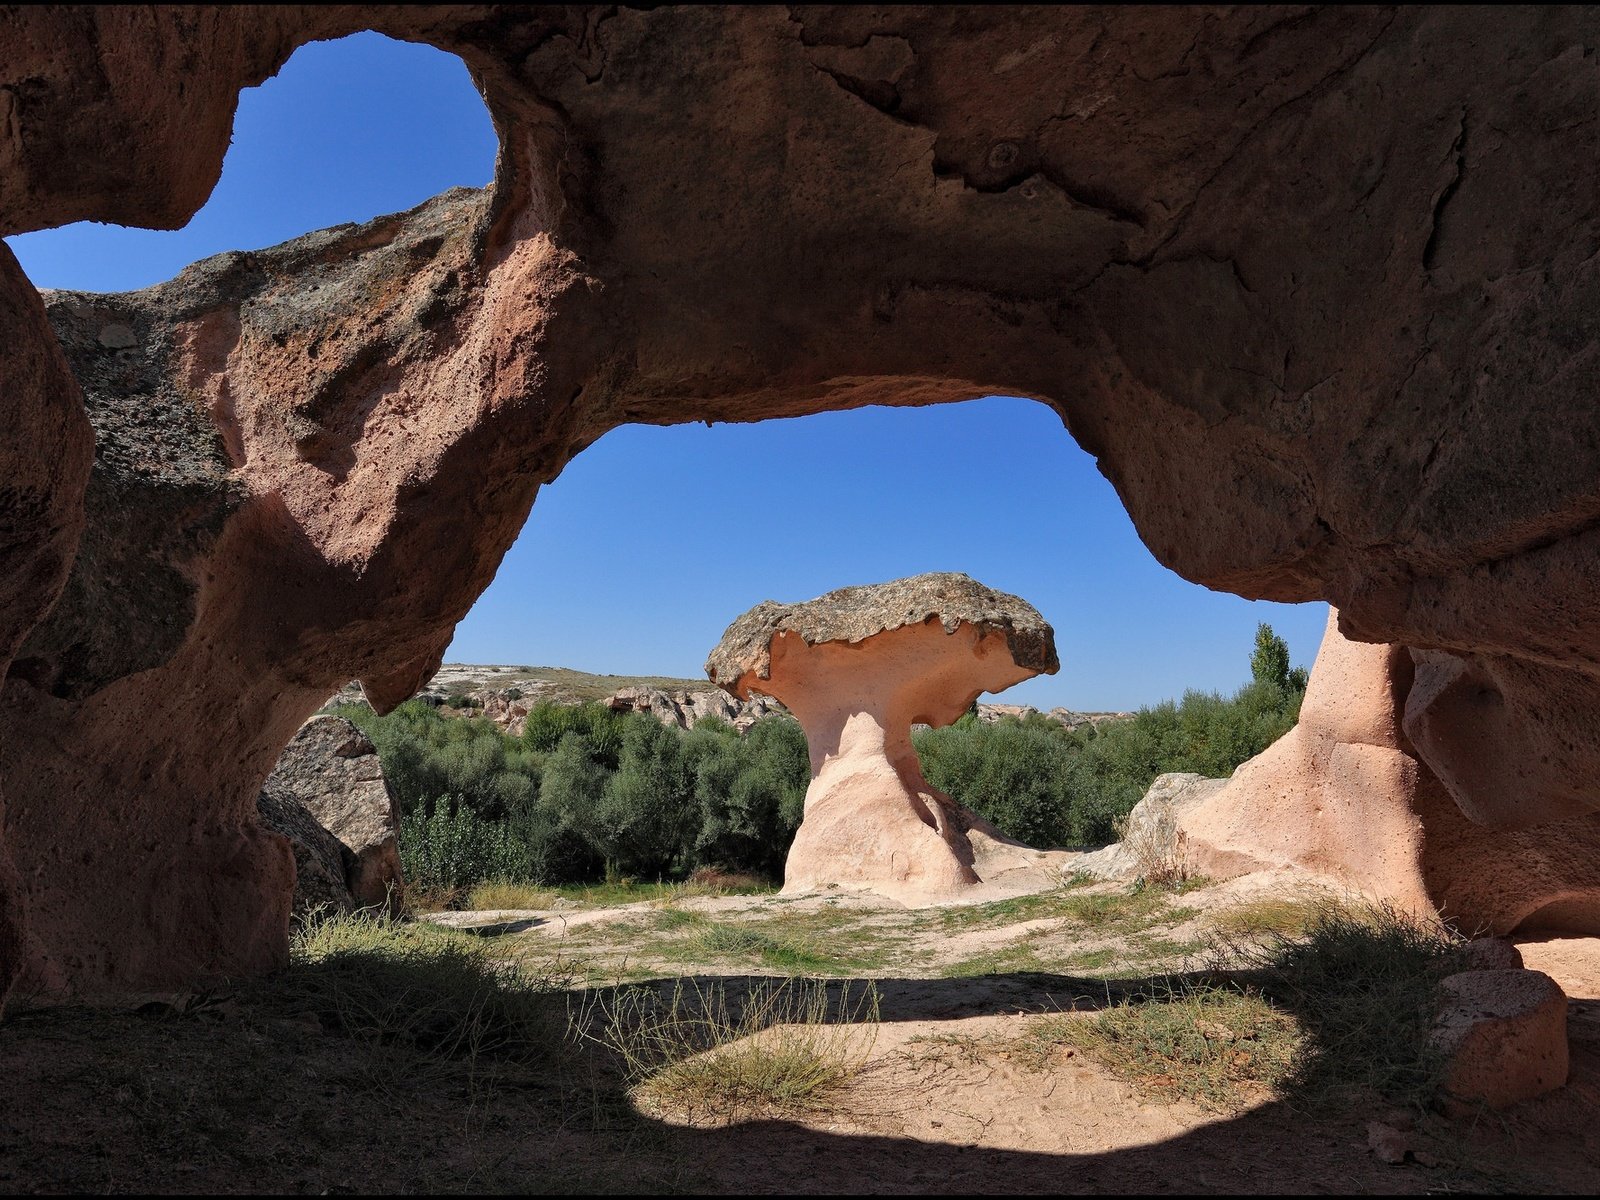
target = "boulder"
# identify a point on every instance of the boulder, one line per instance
(331, 771)
(321, 862)
(1504, 1033)
(858, 667)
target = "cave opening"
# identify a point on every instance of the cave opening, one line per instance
(655, 537)
(347, 130)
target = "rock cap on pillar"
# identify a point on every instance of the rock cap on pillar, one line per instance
(859, 667)
(742, 660)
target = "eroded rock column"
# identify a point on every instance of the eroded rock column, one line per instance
(858, 667)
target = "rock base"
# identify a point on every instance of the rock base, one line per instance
(1506, 1036)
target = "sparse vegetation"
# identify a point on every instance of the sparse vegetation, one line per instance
(1338, 1012)
(698, 1054)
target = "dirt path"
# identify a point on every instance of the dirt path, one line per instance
(224, 1094)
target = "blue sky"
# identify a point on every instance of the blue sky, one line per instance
(651, 541)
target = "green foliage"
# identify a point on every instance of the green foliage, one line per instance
(585, 792)
(455, 848)
(1269, 663)
(1046, 785)
(1011, 773)
(750, 793)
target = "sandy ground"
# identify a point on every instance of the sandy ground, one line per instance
(225, 1097)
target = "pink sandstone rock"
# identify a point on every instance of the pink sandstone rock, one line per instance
(1505, 1035)
(858, 667)
(1316, 288)
(1344, 794)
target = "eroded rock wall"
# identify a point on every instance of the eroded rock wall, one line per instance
(1346, 794)
(1318, 288)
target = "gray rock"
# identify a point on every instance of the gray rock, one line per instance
(332, 771)
(319, 857)
(853, 614)
(1167, 797)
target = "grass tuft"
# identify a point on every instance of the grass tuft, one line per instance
(1336, 1013)
(428, 991)
(1363, 982)
(1209, 1045)
(695, 1053)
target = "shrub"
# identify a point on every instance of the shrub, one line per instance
(644, 821)
(1012, 774)
(456, 848)
(750, 793)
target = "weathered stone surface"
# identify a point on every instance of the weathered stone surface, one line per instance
(321, 866)
(1160, 813)
(858, 667)
(1505, 1035)
(685, 709)
(1318, 289)
(854, 614)
(1344, 794)
(331, 770)
(46, 446)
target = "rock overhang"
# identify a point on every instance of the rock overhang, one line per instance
(854, 615)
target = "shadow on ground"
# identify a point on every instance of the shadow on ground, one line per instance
(235, 1094)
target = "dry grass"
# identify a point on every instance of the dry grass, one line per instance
(502, 894)
(1271, 916)
(428, 993)
(1159, 848)
(1331, 1007)
(695, 1054)
(1212, 1045)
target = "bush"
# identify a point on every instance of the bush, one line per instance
(584, 791)
(750, 794)
(1015, 775)
(455, 848)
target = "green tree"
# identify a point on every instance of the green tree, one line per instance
(1270, 661)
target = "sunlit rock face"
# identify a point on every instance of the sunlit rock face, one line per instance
(859, 667)
(1346, 794)
(1317, 288)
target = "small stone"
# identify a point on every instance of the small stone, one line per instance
(1003, 155)
(1505, 1033)
(1489, 954)
(1387, 1143)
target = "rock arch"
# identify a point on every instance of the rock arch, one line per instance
(1316, 288)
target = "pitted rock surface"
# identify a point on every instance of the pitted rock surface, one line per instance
(853, 614)
(332, 771)
(1318, 289)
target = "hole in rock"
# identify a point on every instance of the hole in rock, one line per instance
(634, 561)
(346, 131)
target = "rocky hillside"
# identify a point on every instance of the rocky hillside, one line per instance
(504, 694)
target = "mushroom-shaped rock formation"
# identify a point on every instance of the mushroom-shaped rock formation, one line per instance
(1316, 288)
(859, 667)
